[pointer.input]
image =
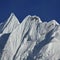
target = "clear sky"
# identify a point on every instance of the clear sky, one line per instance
(45, 9)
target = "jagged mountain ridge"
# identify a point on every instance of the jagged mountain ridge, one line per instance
(33, 40)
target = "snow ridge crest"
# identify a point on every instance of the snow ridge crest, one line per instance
(31, 39)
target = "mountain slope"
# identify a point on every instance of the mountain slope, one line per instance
(51, 51)
(33, 40)
(11, 24)
(6, 29)
(18, 35)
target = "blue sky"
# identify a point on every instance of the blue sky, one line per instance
(45, 9)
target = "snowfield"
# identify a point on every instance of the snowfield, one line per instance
(31, 39)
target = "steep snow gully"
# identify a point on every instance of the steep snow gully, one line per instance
(31, 39)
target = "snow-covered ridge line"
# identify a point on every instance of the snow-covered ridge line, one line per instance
(11, 23)
(32, 17)
(31, 39)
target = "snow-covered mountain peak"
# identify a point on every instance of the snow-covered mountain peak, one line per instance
(12, 14)
(11, 23)
(11, 18)
(32, 18)
(36, 18)
(51, 25)
(30, 40)
(54, 22)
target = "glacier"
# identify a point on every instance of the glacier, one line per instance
(32, 39)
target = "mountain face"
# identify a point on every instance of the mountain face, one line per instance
(10, 24)
(6, 29)
(31, 39)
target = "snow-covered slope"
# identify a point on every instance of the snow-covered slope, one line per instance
(6, 29)
(10, 24)
(33, 40)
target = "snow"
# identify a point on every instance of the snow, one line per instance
(11, 24)
(31, 39)
(6, 29)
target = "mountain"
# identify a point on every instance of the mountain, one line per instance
(32, 39)
(6, 29)
(10, 24)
